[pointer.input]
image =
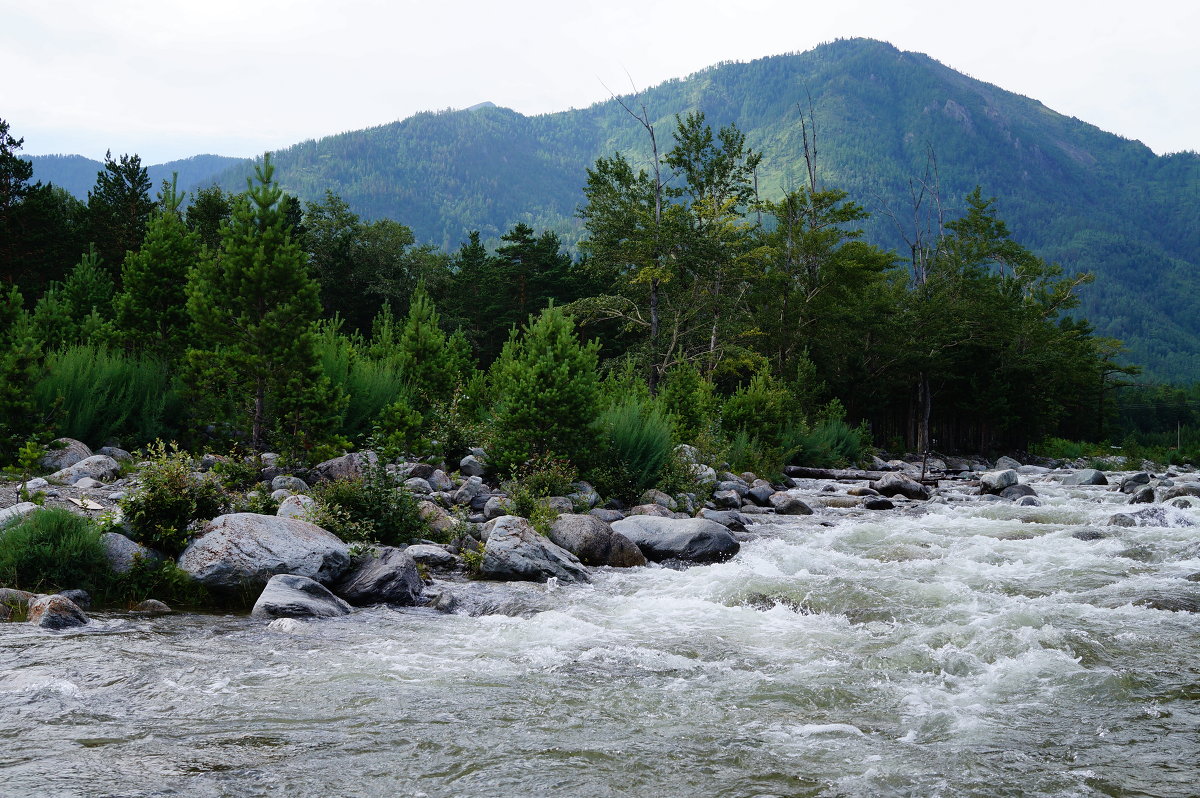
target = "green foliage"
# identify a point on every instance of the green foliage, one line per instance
(763, 409)
(637, 448)
(830, 443)
(102, 393)
(453, 427)
(547, 392)
(746, 452)
(421, 351)
(163, 512)
(157, 579)
(399, 430)
(368, 377)
(119, 207)
(20, 367)
(51, 550)
(689, 401)
(371, 508)
(534, 483)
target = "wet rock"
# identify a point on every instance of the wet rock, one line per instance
(761, 495)
(689, 539)
(475, 599)
(994, 482)
(152, 607)
(877, 503)
(64, 453)
(732, 520)
(787, 504)
(515, 552)
(432, 556)
(1193, 577)
(899, 484)
(80, 597)
(1170, 603)
(861, 490)
(1143, 495)
(387, 576)
(292, 596)
(1131, 483)
(246, 550)
(56, 612)
(1121, 519)
(1089, 534)
(99, 467)
(123, 553)
(594, 542)
(1182, 502)
(1029, 501)
(1088, 476)
(298, 506)
(1179, 491)
(348, 466)
(727, 499)
(1015, 492)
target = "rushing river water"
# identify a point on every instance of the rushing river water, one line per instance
(965, 649)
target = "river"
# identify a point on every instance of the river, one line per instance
(958, 649)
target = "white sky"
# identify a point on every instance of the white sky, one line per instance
(168, 79)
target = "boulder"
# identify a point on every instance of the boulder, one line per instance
(64, 453)
(152, 607)
(514, 599)
(473, 493)
(472, 466)
(56, 612)
(1029, 501)
(387, 576)
(432, 556)
(418, 486)
(419, 470)
(292, 596)
(515, 552)
(496, 506)
(1005, 463)
(289, 483)
(436, 517)
(1015, 492)
(1088, 476)
(116, 453)
(786, 503)
(594, 542)
(606, 515)
(246, 549)
(1121, 519)
(19, 510)
(1088, 534)
(994, 482)
(1143, 495)
(702, 474)
(439, 481)
(656, 510)
(1187, 489)
(584, 495)
(760, 495)
(736, 485)
(11, 597)
(728, 499)
(298, 506)
(124, 553)
(348, 466)
(861, 490)
(690, 539)
(1132, 482)
(901, 484)
(877, 503)
(99, 467)
(732, 520)
(653, 496)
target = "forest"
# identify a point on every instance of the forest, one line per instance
(768, 331)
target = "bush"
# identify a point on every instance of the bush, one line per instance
(689, 401)
(371, 508)
(169, 502)
(763, 409)
(637, 448)
(51, 550)
(157, 579)
(831, 443)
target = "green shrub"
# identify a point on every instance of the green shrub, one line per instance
(51, 550)
(746, 452)
(831, 443)
(371, 508)
(763, 409)
(689, 401)
(156, 579)
(168, 504)
(105, 394)
(637, 446)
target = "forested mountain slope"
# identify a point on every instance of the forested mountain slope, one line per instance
(77, 174)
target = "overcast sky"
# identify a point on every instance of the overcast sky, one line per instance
(169, 79)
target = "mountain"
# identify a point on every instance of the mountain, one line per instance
(77, 174)
(1087, 199)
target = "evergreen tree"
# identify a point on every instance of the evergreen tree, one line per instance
(78, 309)
(421, 351)
(151, 311)
(210, 208)
(253, 307)
(548, 394)
(20, 366)
(119, 207)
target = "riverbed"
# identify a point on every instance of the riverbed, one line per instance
(951, 649)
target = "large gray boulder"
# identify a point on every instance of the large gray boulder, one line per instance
(473, 493)
(246, 549)
(298, 506)
(1005, 463)
(348, 466)
(99, 467)
(1131, 483)
(786, 503)
(1087, 476)
(472, 466)
(1186, 489)
(388, 576)
(899, 484)
(63, 453)
(516, 552)
(994, 482)
(732, 519)
(56, 612)
(594, 542)
(1016, 492)
(691, 539)
(123, 553)
(291, 596)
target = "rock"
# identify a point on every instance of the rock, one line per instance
(279, 495)
(11, 597)
(473, 493)
(702, 474)
(153, 607)
(687, 453)
(594, 542)
(1178, 491)
(56, 612)
(496, 506)
(606, 515)
(99, 467)
(690, 539)
(432, 556)
(994, 482)
(1088, 476)
(760, 495)
(732, 520)
(653, 496)
(348, 466)
(787, 504)
(877, 503)
(1157, 516)
(1088, 534)
(245, 550)
(656, 510)
(736, 485)
(292, 596)
(861, 490)
(120, 455)
(728, 499)
(298, 506)
(87, 483)
(1121, 519)
(418, 470)
(124, 553)
(515, 552)
(472, 466)
(1005, 463)
(1143, 495)
(418, 486)
(1193, 577)
(64, 453)
(1015, 492)
(1033, 470)
(436, 517)
(1131, 483)
(388, 576)
(1170, 603)
(1182, 502)
(900, 484)
(584, 495)
(17, 511)
(482, 598)
(439, 481)
(289, 483)
(1029, 501)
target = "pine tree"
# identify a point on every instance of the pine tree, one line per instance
(151, 310)
(421, 350)
(253, 307)
(548, 394)
(119, 207)
(20, 366)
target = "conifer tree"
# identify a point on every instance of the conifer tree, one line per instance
(421, 350)
(548, 394)
(253, 307)
(20, 365)
(151, 310)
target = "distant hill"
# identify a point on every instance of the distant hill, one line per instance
(78, 174)
(1072, 192)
